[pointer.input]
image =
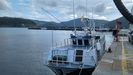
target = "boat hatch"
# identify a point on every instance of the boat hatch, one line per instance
(79, 55)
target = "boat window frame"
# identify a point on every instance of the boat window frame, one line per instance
(74, 40)
(80, 43)
(78, 56)
(57, 53)
(87, 42)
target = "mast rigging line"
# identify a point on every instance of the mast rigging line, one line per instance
(52, 16)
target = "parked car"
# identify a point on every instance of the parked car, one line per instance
(130, 37)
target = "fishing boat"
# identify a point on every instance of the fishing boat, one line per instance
(78, 54)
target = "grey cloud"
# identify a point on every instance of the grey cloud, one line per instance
(100, 8)
(127, 1)
(4, 5)
(64, 7)
(81, 8)
(46, 3)
(52, 4)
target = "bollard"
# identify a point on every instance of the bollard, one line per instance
(109, 50)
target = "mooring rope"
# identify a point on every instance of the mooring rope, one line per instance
(81, 69)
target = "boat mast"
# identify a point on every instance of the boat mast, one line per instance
(93, 22)
(87, 19)
(52, 39)
(93, 28)
(74, 17)
(86, 8)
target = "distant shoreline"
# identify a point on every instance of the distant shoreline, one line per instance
(66, 29)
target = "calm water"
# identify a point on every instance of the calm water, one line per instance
(23, 51)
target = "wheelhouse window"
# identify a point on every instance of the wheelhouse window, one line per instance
(79, 55)
(86, 42)
(74, 41)
(80, 42)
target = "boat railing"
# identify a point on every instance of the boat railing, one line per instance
(59, 62)
(65, 42)
(60, 58)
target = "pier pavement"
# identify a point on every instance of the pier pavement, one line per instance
(119, 61)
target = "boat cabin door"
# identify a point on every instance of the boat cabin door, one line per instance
(79, 56)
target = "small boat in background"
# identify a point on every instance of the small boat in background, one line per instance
(38, 28)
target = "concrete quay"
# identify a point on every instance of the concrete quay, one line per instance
(119, 61)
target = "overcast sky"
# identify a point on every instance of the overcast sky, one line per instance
(62, 9)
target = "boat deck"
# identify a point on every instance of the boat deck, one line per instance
(119, 61)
